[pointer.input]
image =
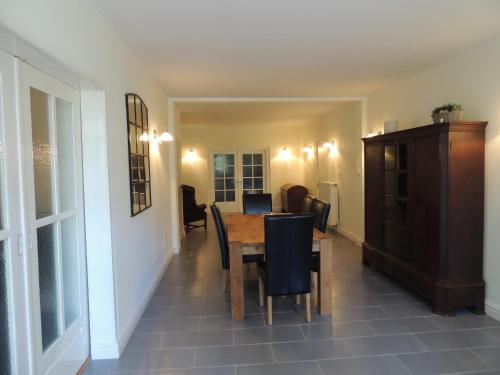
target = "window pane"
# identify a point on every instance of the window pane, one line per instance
(219, 171)
(140, 168)
(230, 172)
(148, 194)
(219, 196)
(259, 191)
(138, 112)
(257, 171)
(69, 251)
(47, 275)
(247, 159)
(219, 159)
(133, 139)
(229, 183)
(229, 159)
(42, 152)
(257, 159)
(219, 184)
(65, 155)
(135, 199)
(247, 171)
(140, 143)
(247, 183)
(257, 183)
(230, 196)
(5, 346)
(131, 108)
(146, 168)
(144, 117)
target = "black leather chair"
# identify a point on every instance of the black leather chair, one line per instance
(224, 246)
(307, 204)
(257, 203)
(191, 210)
(287, 267)
(320, 210)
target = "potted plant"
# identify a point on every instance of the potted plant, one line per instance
(448, 113)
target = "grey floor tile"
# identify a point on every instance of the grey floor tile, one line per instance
(226, 322)
(384, 365)
(297, 317)
(491, 355)
(465, 321)
(455, 339)
(310, 350)
(267, 335)
(296, 368)
(179, 340)
(153, 360)
(181, 300)
(354, 314)
(374, 300)
(233, 355)
(408, 310)
(203, 310)
(402, 325)
(493, 333)
(443, 362)
(337, 330)
(167, 325)
(152, 312)
(227, 370)
(391, 344)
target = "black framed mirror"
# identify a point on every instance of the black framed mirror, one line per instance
(138, 154)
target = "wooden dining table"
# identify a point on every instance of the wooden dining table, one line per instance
(246, 236)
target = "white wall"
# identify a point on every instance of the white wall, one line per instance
(74, 34)
(343, 165)
(473, 80)
(203, 138)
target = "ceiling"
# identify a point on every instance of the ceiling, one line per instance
(252, 113)
(259, 48)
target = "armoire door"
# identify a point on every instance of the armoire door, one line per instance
(14, 348)
(53, 196)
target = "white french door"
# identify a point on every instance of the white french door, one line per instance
(237, 172)
(14, 347)
(53, 211)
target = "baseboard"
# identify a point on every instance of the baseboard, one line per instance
(358, 241)
(125, 336)
(492, 309)
(105, 350)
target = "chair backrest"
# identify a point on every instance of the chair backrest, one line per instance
(188, 198)
(257, 203)
(221, 235)
(288, 250)
(320, 209)
(307, 204)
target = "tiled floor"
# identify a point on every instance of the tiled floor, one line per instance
(378, 328)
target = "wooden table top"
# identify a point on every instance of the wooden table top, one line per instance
(249, 229)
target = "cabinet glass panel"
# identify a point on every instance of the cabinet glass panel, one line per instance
(390, 183)
(5, 329)
(403, 242)
(402, 184)
(47, 276)
(390, 209)
(224, 183)
(69, 252)
(390, 237)
(41, 129)
(403, 156)
(65, 155)
(390, 156)
(402, 212)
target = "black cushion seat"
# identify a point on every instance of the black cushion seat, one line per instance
(257, 203)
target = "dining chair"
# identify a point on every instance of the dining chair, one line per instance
(257, 203)
(192, 211)
(307, 204)
(286, 270)
(224, 246)
(320, 210)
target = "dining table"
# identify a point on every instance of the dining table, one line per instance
(246, 237)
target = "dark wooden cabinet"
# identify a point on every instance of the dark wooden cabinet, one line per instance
(424, 208)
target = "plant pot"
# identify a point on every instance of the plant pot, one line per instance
(446, 116)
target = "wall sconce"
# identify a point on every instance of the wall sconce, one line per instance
(329, 145)
(285, 153)
(163, 137)
(190, 155)
(308, 149)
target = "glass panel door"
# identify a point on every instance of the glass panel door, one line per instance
(224, 180)
(253, 172)
(55, 221)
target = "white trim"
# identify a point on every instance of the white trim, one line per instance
(132, 323)
(350, 235)
(174, 189)
(105, 350)
(492, 309)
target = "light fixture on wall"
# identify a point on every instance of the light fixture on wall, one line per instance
(308, 149)
(329, 145)
(190, 155)
(155, 137)
(285, 154)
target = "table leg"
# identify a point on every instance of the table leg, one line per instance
(237, 281)
(325, 277)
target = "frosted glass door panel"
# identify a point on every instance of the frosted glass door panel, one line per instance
(41, 109)
(5, 329)
(65, 154)
(48, 281)
(69, 251)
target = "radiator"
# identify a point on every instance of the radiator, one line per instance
(329, 192)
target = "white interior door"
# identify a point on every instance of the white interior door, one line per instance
(237, 172)
(14, 348)
(54, 221)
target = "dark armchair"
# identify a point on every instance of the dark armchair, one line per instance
(191, 210)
